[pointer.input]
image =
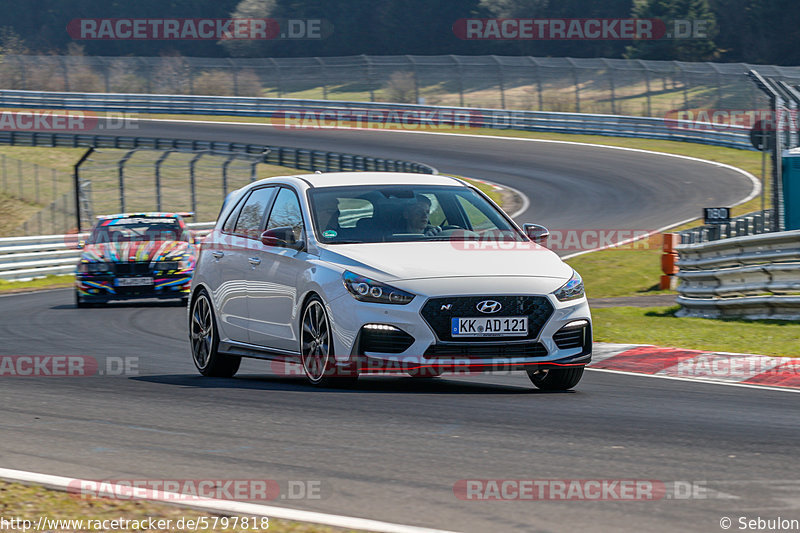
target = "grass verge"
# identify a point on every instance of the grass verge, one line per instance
(660, 326)
(30, 502)
(39, 284)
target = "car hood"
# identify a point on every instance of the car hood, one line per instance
(147, 251)
(419, 260)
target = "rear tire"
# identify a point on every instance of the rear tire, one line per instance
(316, 349)
(205, 341)
(556, 379)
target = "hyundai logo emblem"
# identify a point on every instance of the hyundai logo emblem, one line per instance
(489, 306)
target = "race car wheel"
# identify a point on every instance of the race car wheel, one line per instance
(316, 348)
(205, 341)
(79, 301)
(556, 379)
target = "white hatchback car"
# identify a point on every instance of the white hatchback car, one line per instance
(360, 272)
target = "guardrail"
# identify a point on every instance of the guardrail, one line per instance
(421, 115)
(44, 255)
(753, 277)
(300, 158)
(749, 224)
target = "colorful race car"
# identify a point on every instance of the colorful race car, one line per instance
(136, 255)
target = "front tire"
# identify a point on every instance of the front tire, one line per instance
(205, 341)
(556, 379)
(316, 348)
(79, 302)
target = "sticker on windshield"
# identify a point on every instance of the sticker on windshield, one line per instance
(329, 234)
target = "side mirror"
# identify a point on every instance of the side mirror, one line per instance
(536, 233)
(282, 237)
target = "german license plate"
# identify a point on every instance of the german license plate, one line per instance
(133, 282)
(501, 326)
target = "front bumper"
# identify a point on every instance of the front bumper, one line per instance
(103, 287)
(422, 348)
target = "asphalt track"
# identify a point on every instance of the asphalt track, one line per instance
(392, 448)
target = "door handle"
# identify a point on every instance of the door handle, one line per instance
(254, 261)
(217, 254)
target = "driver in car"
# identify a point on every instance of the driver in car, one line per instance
(415, 217)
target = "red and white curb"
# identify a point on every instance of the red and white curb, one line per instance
(227, 507)
(718, 367)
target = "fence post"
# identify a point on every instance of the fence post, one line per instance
(225, 174)
(192, 186)
(19, 179)
(278, 75)
(460, 70)
(577, 84)
(647, 86)
(160, 160)
(538, 75)
(77, 185)
(121, 173)
(323, 77)
(253, 171)
(500, 82)
(610, 70)
(36, 181)
(5, 176)
(369, 78)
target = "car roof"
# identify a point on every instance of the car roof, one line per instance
(340, 179)
(149, 214)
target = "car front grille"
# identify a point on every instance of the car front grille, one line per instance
(141, 268)
(486, 351)
(438, 313)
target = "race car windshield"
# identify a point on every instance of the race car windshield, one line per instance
(136, 230)
(402, 213)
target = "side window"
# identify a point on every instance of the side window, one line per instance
(249, 222)
(286, 214)
(230, 222)
(477, 219)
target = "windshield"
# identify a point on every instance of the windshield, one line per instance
(401, 213)
(139, 229)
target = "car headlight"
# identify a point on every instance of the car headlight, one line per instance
(571, 290)
(94, 267)
(164, 266)
(369, 290)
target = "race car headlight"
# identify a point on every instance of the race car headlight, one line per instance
(184, 264)
(571, 290)
(94, 268)
(369, 290)
(164, 266)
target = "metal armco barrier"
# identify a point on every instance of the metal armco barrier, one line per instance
(299, 158)
(426, 117)
(753, 277)
(32, 257)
